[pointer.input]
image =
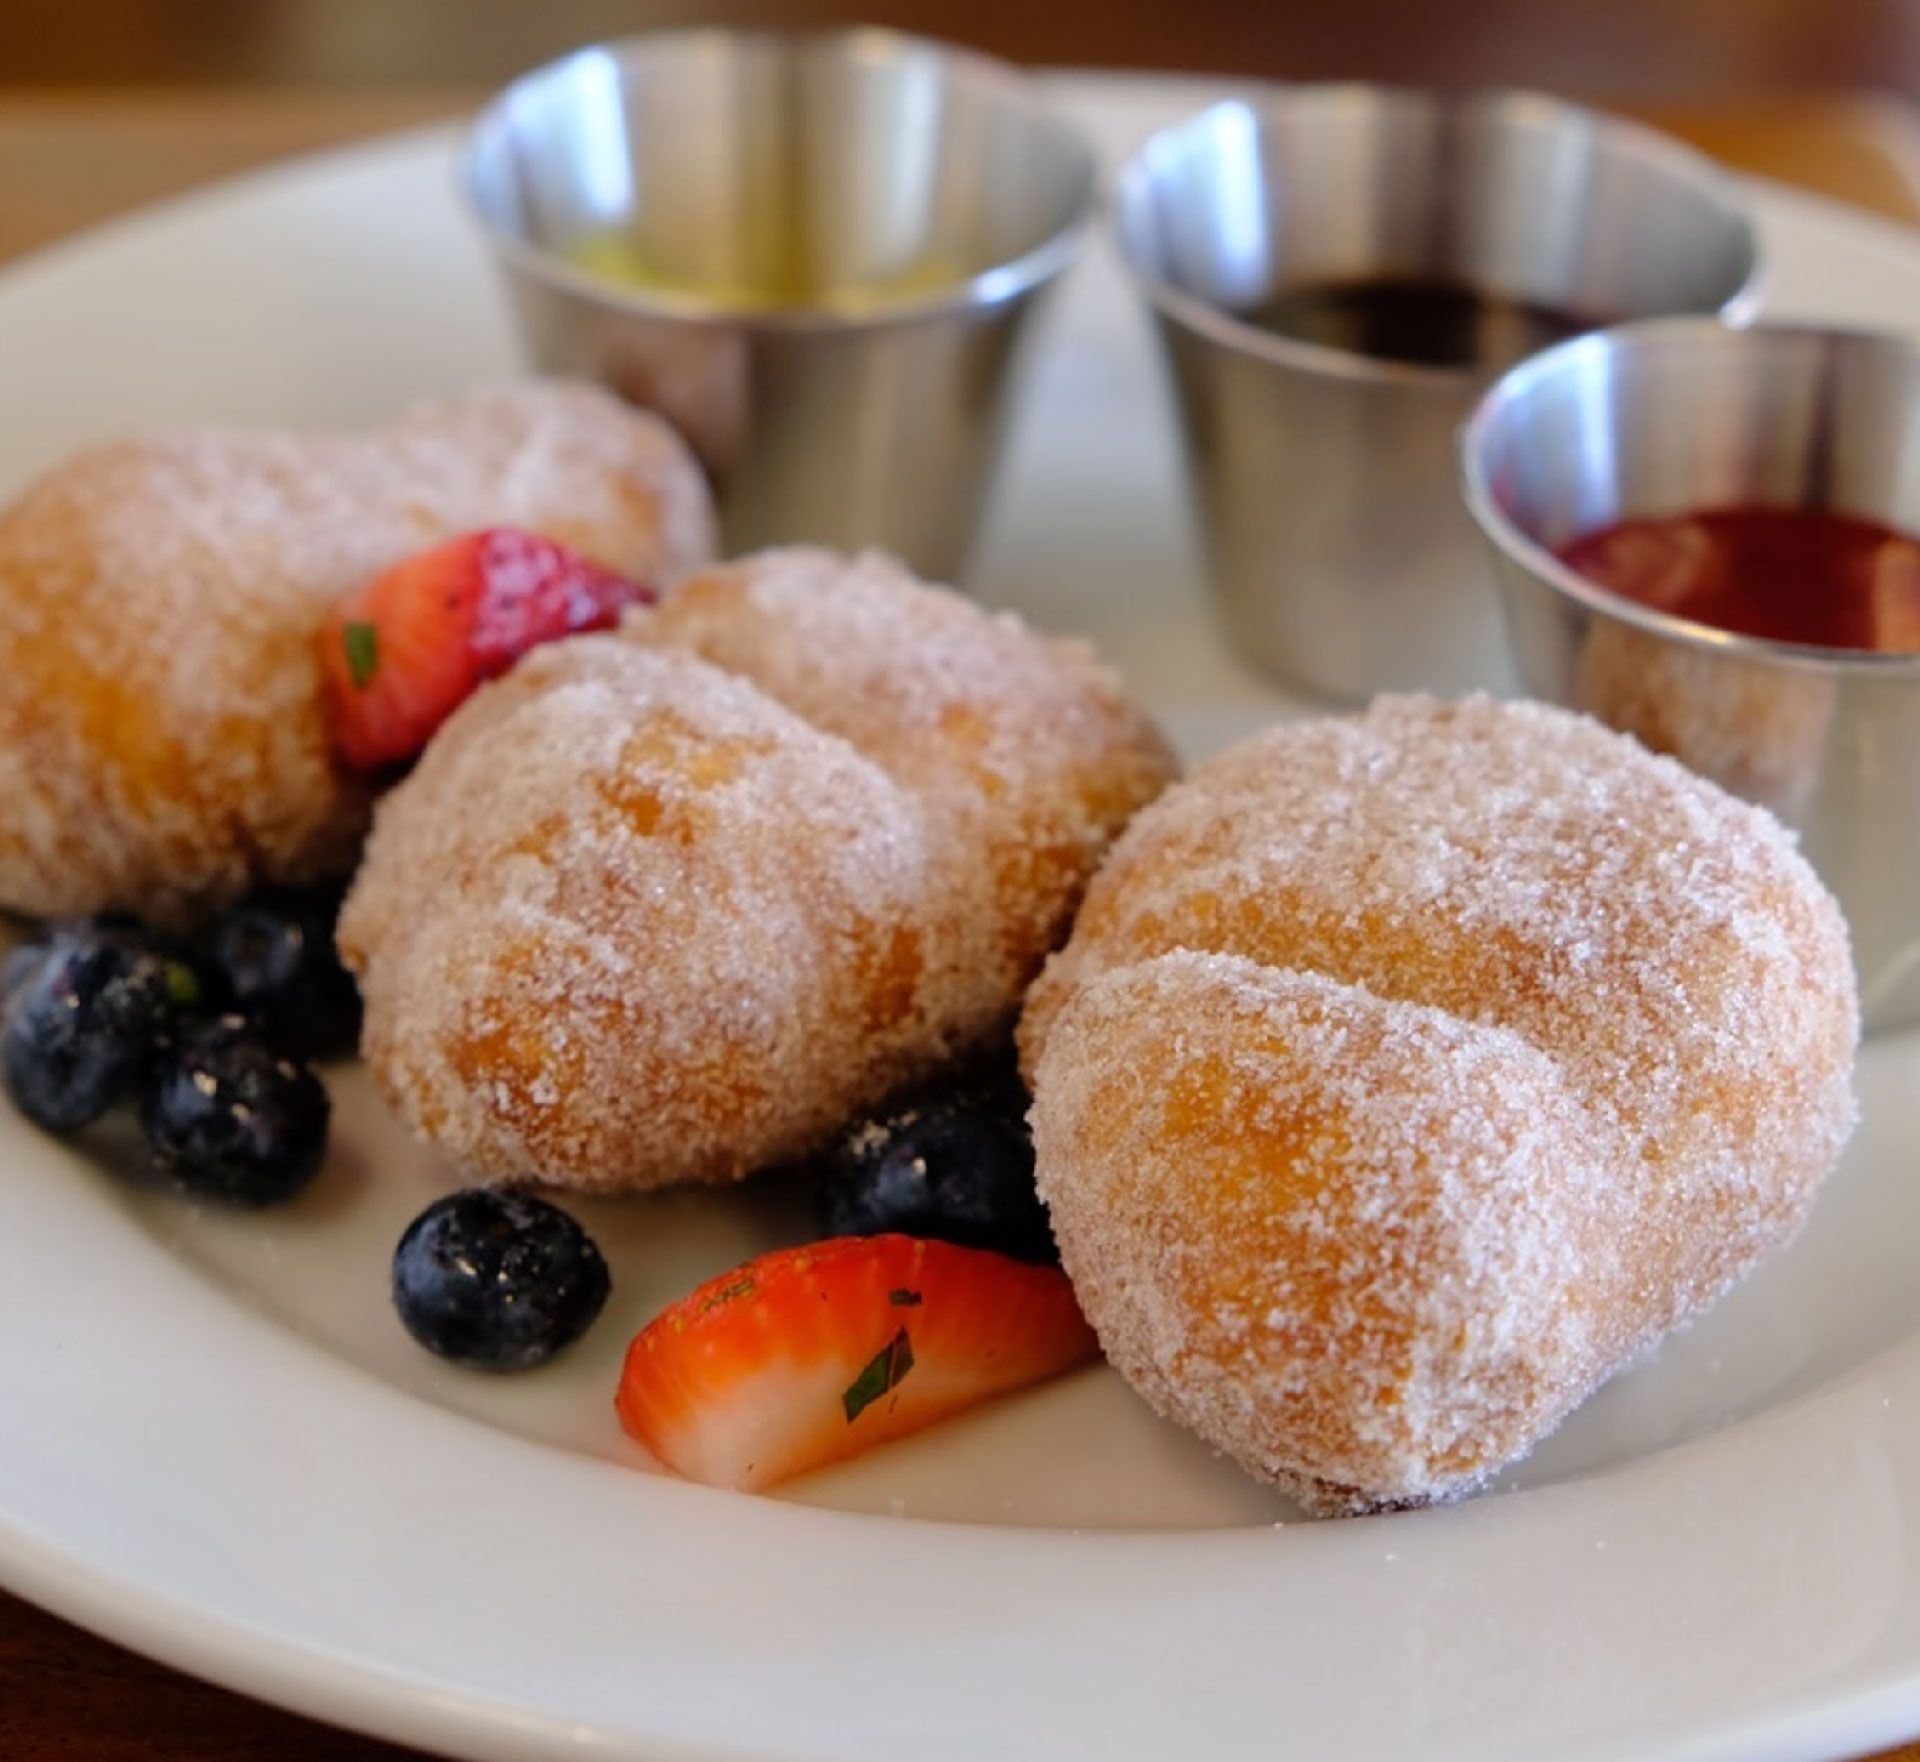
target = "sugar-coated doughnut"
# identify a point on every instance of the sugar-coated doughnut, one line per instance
(630, 920)
(677, 903)
(162, 742)
(1024, 754)
(1407, 1075)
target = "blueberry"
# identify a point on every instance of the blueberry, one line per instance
(497, 1280)
(84, 1019)
(230, 1119)
(958, 1169)
(990, 1079)
(272, 957)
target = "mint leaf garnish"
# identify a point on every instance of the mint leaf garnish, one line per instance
(882, 1373)
(363, 652)
(739, 1288)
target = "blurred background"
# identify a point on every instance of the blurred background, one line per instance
(1629, 50)
(107, 104)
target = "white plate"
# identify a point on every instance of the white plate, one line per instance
(219, 1448)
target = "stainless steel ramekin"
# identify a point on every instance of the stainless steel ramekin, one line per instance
(1667, 417)
(814, 254)
(1325, 479)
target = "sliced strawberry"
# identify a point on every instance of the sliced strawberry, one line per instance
(397, 655)
(405, 651)
(811, 1355)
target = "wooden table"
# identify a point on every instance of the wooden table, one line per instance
(64, 162)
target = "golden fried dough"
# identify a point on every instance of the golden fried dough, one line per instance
(162, 744)
(631, 921)
(645, 914)
(1407, 1075)
(1024, 755)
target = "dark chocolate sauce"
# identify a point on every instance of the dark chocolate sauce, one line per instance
(1419, 322)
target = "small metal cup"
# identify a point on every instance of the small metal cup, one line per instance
(1666, 418)
(814, 254)
(1326, 481)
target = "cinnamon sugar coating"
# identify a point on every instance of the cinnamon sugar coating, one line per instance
(1024, 754)
(1408, 1075)
(675, 904)
(162, 743)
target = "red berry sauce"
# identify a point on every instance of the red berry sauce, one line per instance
(1798, 575)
